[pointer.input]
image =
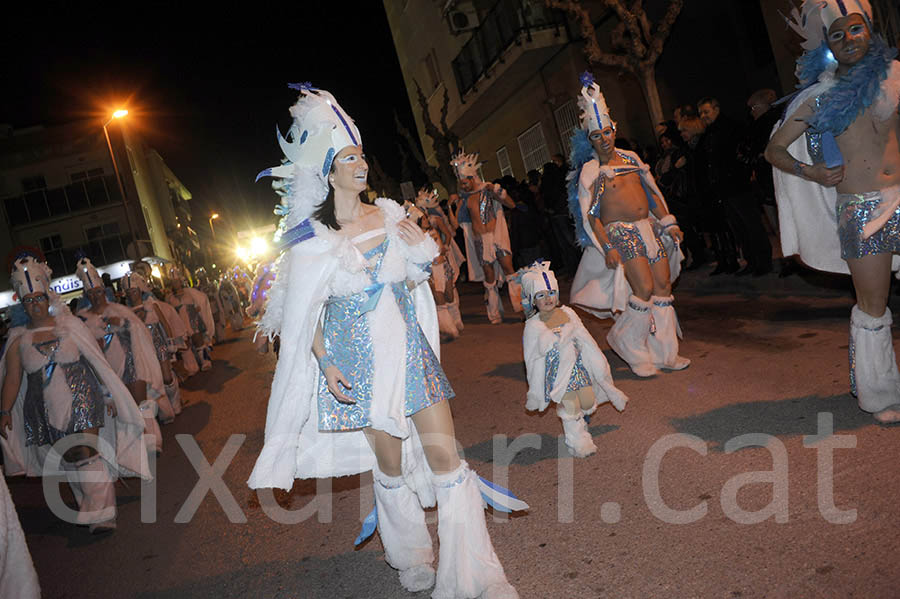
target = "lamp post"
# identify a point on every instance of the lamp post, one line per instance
(213, 217)
(118, 115)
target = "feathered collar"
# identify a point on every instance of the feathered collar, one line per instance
(854, 92)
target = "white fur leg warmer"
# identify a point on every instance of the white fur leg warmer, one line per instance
(173, 392)
(404, 535)
(492, 299)
(92, 485)
(152, 434)
(628, 337)
(873, 366)
(663, 343)
(166, 411)
(189, 362)
(578, 438)
(453, 307)
(446, 324)
(468, 567)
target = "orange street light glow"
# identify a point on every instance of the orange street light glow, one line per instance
(120, 113)
(214, 215)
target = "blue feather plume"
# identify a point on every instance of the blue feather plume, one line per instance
(581, 153)
(499, 498)
(368, 527)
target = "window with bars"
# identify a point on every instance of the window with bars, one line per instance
(567, 122)
(39, 203)
(33, 183)
(53, 250)
(503, 162)
(105, 243)
(88, 174)
(533, 147)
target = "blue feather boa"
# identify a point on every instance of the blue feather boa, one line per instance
(582, 152)
(854, 92)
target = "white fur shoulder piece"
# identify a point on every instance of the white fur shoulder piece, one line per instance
(886, 104)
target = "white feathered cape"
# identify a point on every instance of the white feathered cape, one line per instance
(307, 275)
(17, 576)
(596, 288)
(122, 433)
(807, 216)
(538, 339)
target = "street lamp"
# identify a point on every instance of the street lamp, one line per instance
(213, 217)
(118, 115)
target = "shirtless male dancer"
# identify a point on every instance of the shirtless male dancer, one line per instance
(837, 151)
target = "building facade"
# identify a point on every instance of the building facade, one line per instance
(59, 192)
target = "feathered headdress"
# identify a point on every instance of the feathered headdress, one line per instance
(27, 275)
(134, 279)
(427, 197)
(320, 130)
(594, 111)
(534, 278)
(465, 165)
(812, 20)
(87, 274)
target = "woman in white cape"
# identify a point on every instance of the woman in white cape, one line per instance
(57, 383)
(348, 294)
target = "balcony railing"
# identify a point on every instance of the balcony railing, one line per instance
(42, 204)
(502, 26)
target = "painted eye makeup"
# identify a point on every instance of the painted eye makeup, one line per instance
(349, 159)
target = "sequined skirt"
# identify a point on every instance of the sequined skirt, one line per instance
(580, 377)
(348, 343)
(159, 341)
(853, 212)
(631, 240)
(87, 403)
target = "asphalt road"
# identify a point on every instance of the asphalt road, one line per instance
(665, 509)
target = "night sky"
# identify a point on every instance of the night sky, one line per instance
(205, 87)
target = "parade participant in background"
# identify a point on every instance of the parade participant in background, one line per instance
(231, 303)
(631, 241)
(838, 168)
(453, 258)
(208, 286)
(441, 281)
(167, 331)
(128, 348)
(196, 314)
(348, 294)
(563, 362)
(487, 237)
(56, 383)
(265, 276)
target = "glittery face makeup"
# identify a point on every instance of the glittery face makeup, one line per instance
(546, 300)
(350, 171)
(849, 39)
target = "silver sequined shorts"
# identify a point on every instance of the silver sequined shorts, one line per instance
(635, 239)
(854, 210)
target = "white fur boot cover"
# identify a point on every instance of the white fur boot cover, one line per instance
(874, 379)
(468, 567)
(166, 411)
(445, 321)
(453, 307)
(515, 295)
(492, 299)
(95, 493)
(578, 438)
(189, 362)
(663, 343)
(628, 337)
(173, 392)
(152, 434)
(404, 535)
(17, 575)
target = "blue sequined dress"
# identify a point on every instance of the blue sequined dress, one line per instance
(579, 377)
(394, 384)
(63, 393)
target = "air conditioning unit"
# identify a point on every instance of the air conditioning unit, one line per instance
(463, 18)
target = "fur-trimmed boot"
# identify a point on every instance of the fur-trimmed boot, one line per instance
(202, 355)
(468, 566)
(453, 307)
(628, 337)
(446, 323)
(92, 486)
(173, 392)
(152, 434)
(189, 362)
(874, 378)
(165, 410)
(578, 438)
(663, 344)
(404, 534)
(492, 300)
(515, 295)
